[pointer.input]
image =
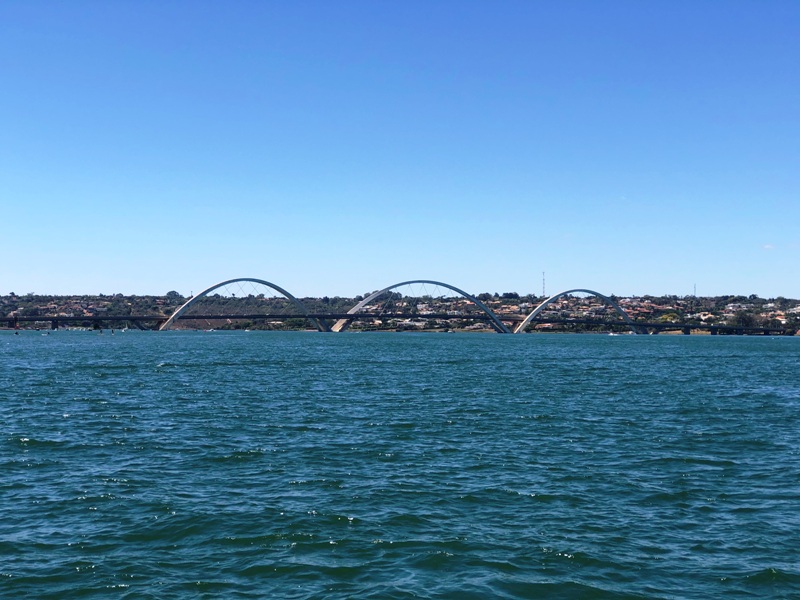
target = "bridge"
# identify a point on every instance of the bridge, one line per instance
(472, 309)
(154, 322)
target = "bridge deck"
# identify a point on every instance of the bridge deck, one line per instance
(140, 320)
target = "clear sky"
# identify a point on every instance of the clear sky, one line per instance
(335, 148)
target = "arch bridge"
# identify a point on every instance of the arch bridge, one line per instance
(319, 324)
(536, 311)
(343, 321)
(494, 320)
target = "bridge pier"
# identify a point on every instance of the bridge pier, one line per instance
(54, 324)
(687, 331)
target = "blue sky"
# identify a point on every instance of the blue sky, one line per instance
(334, 148)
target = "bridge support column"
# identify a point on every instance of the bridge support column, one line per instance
(714, 331)
(687, 331)
(54, 324)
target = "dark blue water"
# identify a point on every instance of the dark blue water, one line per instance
(300, 465)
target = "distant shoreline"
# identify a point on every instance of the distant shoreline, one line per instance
(582, 311)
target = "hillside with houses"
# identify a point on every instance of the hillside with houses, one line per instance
(422, 313)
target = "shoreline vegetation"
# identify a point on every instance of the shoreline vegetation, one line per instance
(419, 313)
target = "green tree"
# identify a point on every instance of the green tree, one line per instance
(744, 319)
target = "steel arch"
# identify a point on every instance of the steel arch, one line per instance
(343, 324)
(182, 309)
(521, 327)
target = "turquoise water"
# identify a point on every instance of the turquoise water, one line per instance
(304, 465)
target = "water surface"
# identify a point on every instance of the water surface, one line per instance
(304, 465)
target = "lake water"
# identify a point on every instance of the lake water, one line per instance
(306, 465)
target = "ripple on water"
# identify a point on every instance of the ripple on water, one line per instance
(310, 466)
